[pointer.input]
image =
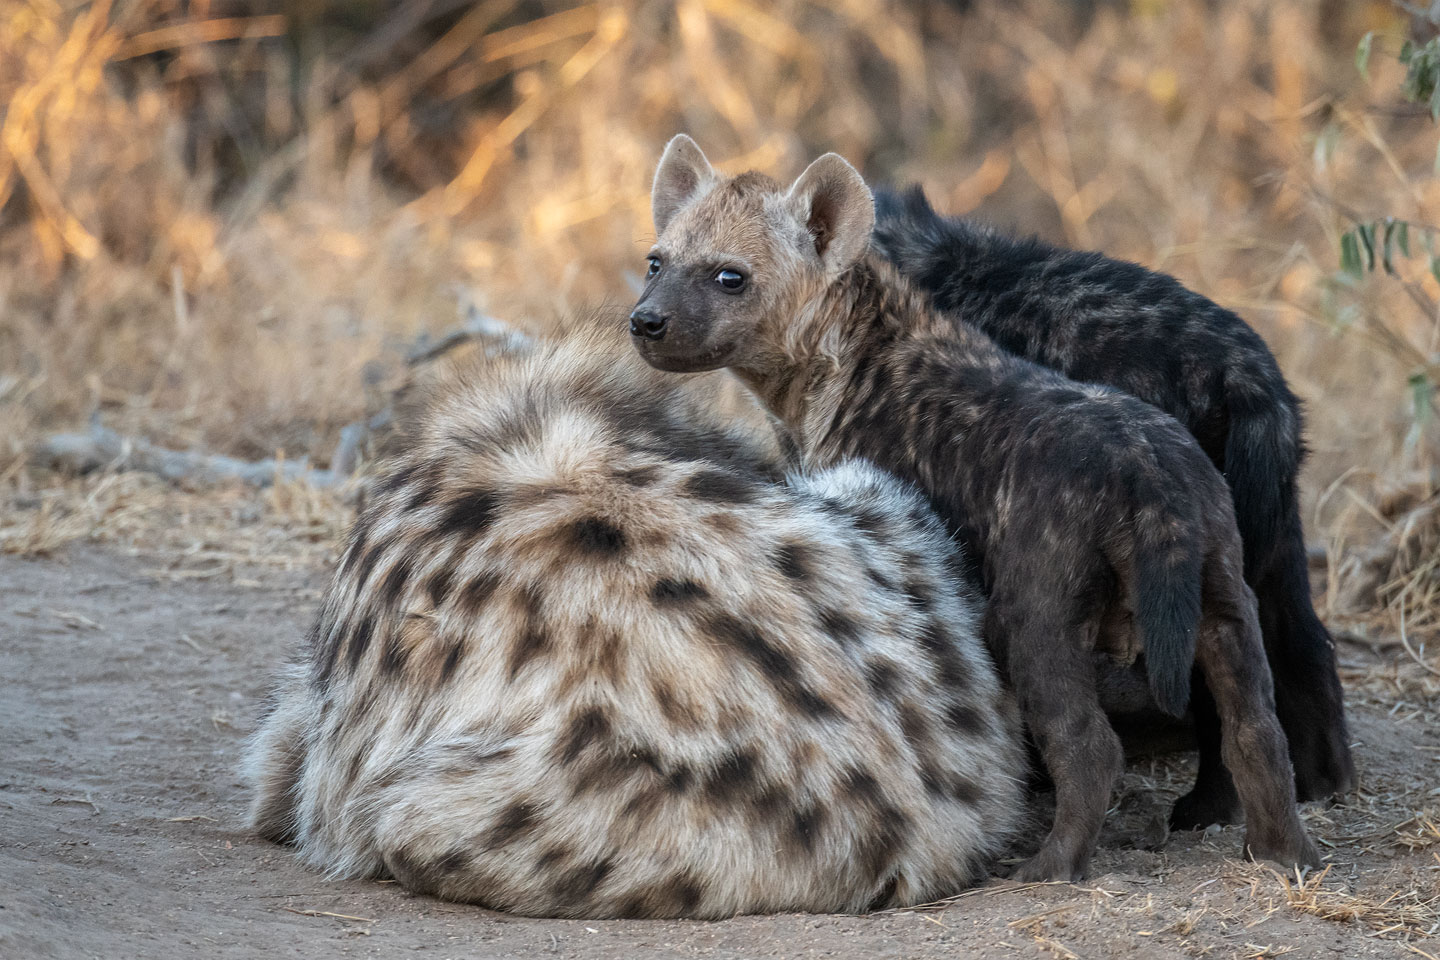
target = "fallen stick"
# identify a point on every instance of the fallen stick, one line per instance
(103, 448)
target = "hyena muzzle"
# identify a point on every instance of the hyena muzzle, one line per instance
(590, 654)
(1098, 523)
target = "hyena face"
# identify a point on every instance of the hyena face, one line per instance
(737, 258)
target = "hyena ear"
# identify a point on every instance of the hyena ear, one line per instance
(834, 203)
(683, 170)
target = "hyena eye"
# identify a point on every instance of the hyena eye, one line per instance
(654, 266)
(731, 280)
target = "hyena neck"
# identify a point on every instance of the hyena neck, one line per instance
(854, 323)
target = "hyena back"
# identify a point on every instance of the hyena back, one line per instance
(1098, 523)
(1100, 320)
(587, 654)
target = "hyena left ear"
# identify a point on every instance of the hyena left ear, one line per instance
(835, 204)
(683, 170)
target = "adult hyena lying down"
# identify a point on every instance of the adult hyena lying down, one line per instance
(1098, 521)
(587, 656)
(1106, 321)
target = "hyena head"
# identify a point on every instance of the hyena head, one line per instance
(737, 258)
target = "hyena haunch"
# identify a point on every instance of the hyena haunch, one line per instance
(588, 655)
(1106, 321)
(1098, 522)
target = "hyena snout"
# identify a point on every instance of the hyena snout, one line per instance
(647, 324)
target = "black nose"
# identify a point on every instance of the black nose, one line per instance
(645, 324)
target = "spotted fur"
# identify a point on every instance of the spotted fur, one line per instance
(588, 654)
(1105, 321)
(1098, 523)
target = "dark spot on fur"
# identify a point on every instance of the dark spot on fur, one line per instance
(395, 580)
(597, 536)
(840, 626)
(393, 480)
(427, 487)
(791, 561)
(551, 856)
(671, 708)
(453, 862)
(474, 595)
(359, 535)
(677, 897)
(952, 670)
(777, 665)
(586, 727)
(639, 476)
(720, 486)
(869, 521)
(366, 566)
(679, 779)
(881, 676)
(734, 775)
(439, 585)
(359, 641)
(965, 719)
(533, 642)
(452, 659)
(579, 885)
(516, 819)
(392, 658)
(885, 896)
(965, 790)
(805, 825)
(919, 593)
(670, 593)
(471, 513)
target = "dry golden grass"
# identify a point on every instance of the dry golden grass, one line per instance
(213, 242)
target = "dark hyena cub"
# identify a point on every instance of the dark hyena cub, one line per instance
(1106, 321)
(1097, 520)
(588, 655)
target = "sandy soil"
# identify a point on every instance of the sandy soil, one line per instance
(128, 683)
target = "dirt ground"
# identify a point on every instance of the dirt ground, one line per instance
(128, 683)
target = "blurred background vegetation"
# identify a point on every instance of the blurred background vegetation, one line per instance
(220, 218)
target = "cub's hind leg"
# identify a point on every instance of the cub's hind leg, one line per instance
(1048, 658)
(1231, 654)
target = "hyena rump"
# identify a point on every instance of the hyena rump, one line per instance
(1098, 522)
(588, 654)
(1101, 320)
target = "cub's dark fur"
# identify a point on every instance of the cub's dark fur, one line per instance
(1106, 321)
(1098, 522)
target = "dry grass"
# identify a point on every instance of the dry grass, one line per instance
(1405, 912)
(214, 241)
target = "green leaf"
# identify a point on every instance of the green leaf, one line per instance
(1387, 247)
(1407, 50)
(1435, 267)
(1420, 391)
(1362, 54)
(1350, 255)
(1402, 236)
(1367, 241)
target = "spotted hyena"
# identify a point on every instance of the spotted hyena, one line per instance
(589, 654)
(1101, 320)
(1097, 520)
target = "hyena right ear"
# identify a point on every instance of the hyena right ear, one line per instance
(683, 170)
(835, 204)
